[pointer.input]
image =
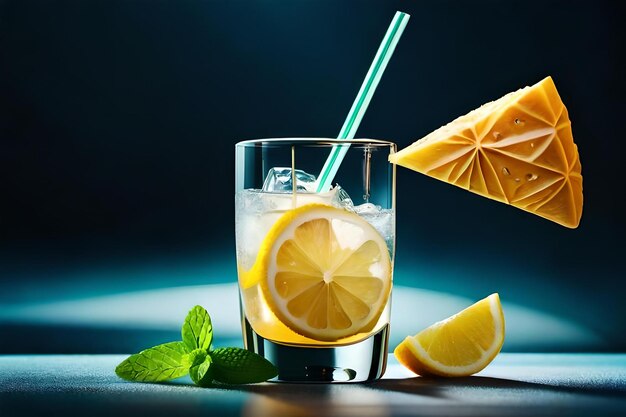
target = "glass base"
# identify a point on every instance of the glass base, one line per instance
(359, 362)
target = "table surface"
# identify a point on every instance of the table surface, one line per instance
(513, 385)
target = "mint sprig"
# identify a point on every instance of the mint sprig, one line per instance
(194, 356)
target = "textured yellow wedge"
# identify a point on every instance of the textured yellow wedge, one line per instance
(460, 345)
(518, 150)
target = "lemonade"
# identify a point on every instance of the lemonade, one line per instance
(257, 213)
(315, 260)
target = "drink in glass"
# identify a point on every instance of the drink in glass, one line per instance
(315, 268)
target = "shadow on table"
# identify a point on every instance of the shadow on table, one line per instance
(308, 400)
(303, 400)
(442, 387)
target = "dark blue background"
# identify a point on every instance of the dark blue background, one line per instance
(118, 120)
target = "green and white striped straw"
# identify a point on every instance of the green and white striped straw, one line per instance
(350, 126)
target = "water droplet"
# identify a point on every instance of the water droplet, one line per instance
(531, 177)
(496, 135)
(506, 171)
(518, 121)
(517, 179)
(532, 145)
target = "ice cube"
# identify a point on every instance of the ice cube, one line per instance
(368, 209)
(341, 198)
(382, 220)
(279, 180)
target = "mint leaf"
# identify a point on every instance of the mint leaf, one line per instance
(200, 371)
(197, 330)
(159, 363)
(240, 366)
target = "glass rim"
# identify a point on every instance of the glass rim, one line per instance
(315, 141)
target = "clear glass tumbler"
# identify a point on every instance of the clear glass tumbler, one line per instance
(315, 268)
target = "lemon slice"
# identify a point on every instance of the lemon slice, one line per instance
(324, 272)
(460, 345)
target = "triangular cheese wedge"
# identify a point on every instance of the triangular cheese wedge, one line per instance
(518, 150)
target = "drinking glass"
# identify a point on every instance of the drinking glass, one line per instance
(323, 314)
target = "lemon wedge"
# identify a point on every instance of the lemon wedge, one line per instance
(460, 345)
(324, 272)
